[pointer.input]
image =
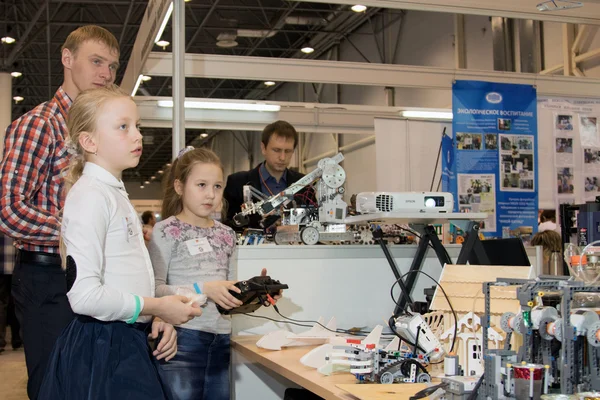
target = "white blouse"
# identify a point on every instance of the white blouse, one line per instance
(103, 234)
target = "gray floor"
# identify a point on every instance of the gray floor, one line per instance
(13, 385)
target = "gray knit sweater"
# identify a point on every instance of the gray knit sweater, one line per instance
(175, 266)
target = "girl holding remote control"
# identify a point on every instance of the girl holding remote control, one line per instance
(192, 253)
(104, 353)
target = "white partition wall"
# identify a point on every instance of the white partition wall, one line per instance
(406, 152)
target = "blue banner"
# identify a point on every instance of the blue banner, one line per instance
(490, 164)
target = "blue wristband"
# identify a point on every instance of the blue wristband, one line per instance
(197, 288)
(138, 310)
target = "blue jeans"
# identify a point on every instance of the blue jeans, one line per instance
(200, 370)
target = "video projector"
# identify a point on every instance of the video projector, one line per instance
(404, 202)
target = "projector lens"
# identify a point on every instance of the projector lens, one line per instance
(434, 201)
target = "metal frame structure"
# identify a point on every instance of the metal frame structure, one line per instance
(267, 32)
(526, 293)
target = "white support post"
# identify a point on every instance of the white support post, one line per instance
(178, 76)
(5, 106)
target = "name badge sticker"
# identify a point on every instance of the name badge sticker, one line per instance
(128, 227)
(198, 246)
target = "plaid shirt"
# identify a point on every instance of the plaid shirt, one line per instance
(31, 175)
(7, 255)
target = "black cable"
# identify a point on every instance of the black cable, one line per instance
(411, 232)
(408, 342)
(273, 319)
(437, 161)
(339, 330)
(420, 238)
(392, 327)
(445, 295)
(294, 322)
(346, 331)
(473, 394)
(428, 391)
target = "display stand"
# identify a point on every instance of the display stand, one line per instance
(423, 224)
(472, 249)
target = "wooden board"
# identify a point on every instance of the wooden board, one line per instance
(287, 364)
(463, 283)
(400, 391)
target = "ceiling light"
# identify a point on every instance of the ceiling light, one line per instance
(8, 40)
(160, 172)
(163, 43)
(163, 26)
(146, 78)
(447, 115)
(157, 215)
(307, 49)
(269, 83)
(141, 186)
(204, 135)
(146, 182)
(211, 105)
(358, 8)
(16, 74)
(168, 164)
(137, 85)
(18, 99)
(227, 43)
(152, 177)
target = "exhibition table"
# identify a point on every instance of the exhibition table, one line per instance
(351, 283)
(287, 364)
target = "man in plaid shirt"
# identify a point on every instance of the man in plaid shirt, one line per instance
(35, 154)
(7, 308)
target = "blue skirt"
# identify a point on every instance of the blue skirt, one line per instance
(102, 360)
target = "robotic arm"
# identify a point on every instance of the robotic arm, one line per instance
(272, 205)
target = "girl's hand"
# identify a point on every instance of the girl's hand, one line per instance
(280, 295)
(218, 291)
(175, 310)
(167, 347)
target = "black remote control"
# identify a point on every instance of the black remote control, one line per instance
(254, 292)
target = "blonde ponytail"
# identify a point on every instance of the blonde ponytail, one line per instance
(83, 117)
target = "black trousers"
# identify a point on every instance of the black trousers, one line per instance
(40, 294)
(7, 314)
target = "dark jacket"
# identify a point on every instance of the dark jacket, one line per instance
(234, 196)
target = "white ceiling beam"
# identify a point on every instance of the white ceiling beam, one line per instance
(144, 41)
(520, 9)
(355, 73)
(306, 117)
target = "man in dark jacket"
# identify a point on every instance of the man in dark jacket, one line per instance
(278, 142)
